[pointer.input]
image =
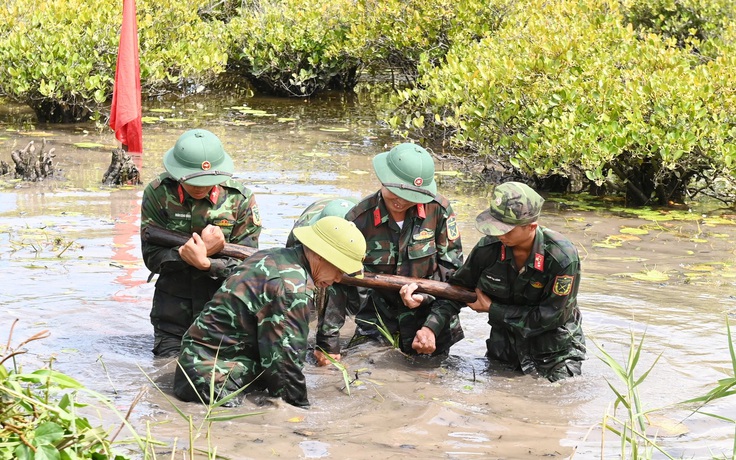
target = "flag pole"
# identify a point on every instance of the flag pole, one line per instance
(125, 111)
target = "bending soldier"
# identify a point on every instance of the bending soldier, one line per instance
(253, 333)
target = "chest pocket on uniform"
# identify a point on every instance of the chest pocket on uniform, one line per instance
(535, 287)
(226, 225)
(380, 253)
(179, 221)
(422, 243)
(495, 284)
(419, 249)
(421, 253)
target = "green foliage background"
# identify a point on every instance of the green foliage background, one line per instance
(634, 96)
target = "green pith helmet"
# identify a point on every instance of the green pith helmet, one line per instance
(337, 207)
(198, 159)
(513, 204)
(338, 241)
(407, 170)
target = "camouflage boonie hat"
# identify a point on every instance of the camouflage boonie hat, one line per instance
(513, 204)
(407, 170)
(198, 159)
(337, 241)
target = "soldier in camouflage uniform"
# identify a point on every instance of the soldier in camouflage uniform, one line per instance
(253, 334)
(197, 197)
(526, 278)
(410, 231)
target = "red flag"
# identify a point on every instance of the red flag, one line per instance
(125, 113)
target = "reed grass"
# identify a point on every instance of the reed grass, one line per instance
(632, 428)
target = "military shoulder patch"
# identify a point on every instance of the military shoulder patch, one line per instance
(256, 215)
(452, 231)
(563, 285)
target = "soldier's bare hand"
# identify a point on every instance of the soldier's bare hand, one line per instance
(213, 239)
(410, 299)
(424, 341)
(482, 303)
(322, 359)
(194, 252)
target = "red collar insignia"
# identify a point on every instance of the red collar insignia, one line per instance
(539, 261)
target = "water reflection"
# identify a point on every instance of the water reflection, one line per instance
(94, 299)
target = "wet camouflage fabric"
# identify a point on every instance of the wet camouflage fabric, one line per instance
(252, 333)
(182, 290)
(426, 247)
(534, 316)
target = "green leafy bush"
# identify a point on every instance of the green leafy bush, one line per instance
(397, 35)
(40, 416)
(59, 56)
(569, 89)
(294, 47)
(687, 21)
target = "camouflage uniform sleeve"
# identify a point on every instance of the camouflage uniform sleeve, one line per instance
(467, 275)
(449, 245)
(555, 308)
(246, 232)
(450, 258)
(158, 259)
(340, 300)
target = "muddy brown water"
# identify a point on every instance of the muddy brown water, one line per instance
(70, 263)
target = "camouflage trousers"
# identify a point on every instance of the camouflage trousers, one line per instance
(555, 355)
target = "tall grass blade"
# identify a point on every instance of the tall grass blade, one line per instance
(340, 366)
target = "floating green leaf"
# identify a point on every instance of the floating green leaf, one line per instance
(285, 119)
(647, 275)
(634, 231)
(334, 130)
(248, 111)
(161, 110)
(38, 134)
(88, 145)
(702, 268)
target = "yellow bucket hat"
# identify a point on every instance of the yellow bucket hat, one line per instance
(337, 241)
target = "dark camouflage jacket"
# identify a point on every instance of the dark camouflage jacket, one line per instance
(427, 246)
(534, 314)
(182, 290)
(255, 328)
